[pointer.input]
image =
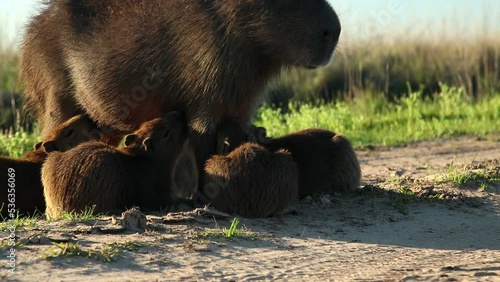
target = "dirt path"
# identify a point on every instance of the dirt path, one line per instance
(404, 224)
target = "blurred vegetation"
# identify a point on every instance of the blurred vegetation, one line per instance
(10, 99)
(16, 144)
(374, 120)
(389, 66)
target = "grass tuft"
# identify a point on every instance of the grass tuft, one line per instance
(232, 232)
(19, 222)
(86, 215)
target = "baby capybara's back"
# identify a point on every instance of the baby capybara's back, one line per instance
(70, 179)
(327, 162)
(252, 181)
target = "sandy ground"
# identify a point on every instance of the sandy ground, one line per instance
(403, 224)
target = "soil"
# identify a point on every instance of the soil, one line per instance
(414, 219)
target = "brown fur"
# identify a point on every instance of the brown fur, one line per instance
(127, 61)
(252, 181)
(186, 173)
(327, 162)
(113, 179)
(28, 190)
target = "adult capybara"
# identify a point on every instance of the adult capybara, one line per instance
(251, 180)
(326, 161)
(112, 179)
(25, 192)
(128, 61)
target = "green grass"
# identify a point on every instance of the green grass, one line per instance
(64, 249)
(19, 222)
(374, 120)
(232, 232)
(105, 253)
(458, 175)
(17, 144)
(468, 175)
(86, 215)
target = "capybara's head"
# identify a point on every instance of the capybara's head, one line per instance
(74, 131)
(298, 32)
(160, 136)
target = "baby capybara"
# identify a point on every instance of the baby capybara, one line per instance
(25, 194)
(326, 161)
(128, 61)
(251, 180)
(94, 173)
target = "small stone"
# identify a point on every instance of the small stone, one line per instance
(134, 220)
(35, 240)
(95, 230)
(114, 220)
(45, 241)
(325, 201)
(399, 172)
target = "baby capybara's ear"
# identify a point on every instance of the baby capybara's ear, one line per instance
(226, 147)
(130, 139)
(49, 146)
(148, 145)
(37, 146)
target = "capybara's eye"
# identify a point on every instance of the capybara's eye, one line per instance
(69, 132)
(166, 135)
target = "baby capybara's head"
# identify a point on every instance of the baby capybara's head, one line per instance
(74, 131)
(298, 32)
(160, 136)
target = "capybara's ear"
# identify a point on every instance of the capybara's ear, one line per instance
(37, 145)
(148, 144)
(130, 139)
(260, 134)
(225, 147)
(49, 146)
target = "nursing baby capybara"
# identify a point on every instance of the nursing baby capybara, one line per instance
(128, 61)
(326, 161)
(251, 180)
(25, 192)
(94, 173)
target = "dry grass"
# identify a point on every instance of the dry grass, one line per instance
(393, 66)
